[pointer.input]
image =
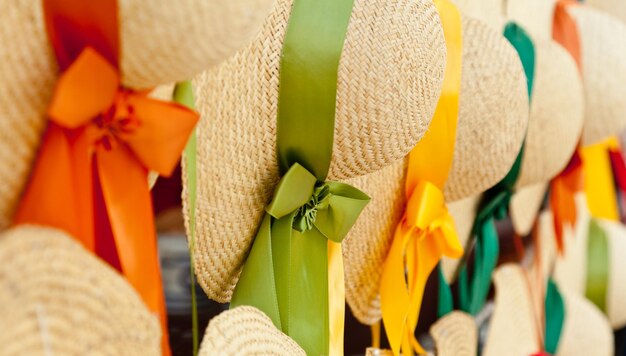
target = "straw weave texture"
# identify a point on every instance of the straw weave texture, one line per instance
(389, 78)
(57, 298)
(493, 115)
(512, 329)
(603, 52)
(455, 335)
(246, 331)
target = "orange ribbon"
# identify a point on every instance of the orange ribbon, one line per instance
(562, 198)
(90, 178)
(570, 181)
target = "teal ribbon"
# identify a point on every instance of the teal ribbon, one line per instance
(495, 202)
(286, 272)
(597, 265)
(555, 317)
(446, 303)
(183, 94)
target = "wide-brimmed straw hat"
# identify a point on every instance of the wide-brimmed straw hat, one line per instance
(493, 114)
(388, 83)
(571, 268)
(603, 56)
(160, 42)
(616, 8)
(246, 330)
(513, 327)
(57, 298)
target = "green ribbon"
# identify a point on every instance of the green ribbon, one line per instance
(446, 303)
(495, 202)
(597, 265)
(286, 272)
(555, 317)
(183, 94)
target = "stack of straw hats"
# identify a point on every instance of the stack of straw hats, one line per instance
(56, 298)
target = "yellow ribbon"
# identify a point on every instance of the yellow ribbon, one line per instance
(426, 231)
(598, 178)
(336, 298)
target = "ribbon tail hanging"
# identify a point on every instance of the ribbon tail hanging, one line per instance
(129, 208)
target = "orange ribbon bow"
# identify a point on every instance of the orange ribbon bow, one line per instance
(564, 188)
(90, 178)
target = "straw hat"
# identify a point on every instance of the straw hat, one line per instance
(554, 129)
(455, 335)
(160, 43)
(246, 331)
(513, 327)
(603, 54)
(57, 298)
(571, 268)
(389, 77)
(493, 114)
(616, 8)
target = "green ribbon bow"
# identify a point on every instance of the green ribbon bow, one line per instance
(286, 273)
(597, 265)
(494, 206)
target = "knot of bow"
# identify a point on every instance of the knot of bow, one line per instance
(426, 233)
(89, 96)
(330, 207)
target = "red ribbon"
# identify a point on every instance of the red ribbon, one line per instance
(90, 177)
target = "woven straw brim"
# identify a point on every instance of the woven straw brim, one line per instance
(246, 331)
(57, 298)
(512, 329)
(488, 11)
(614, 7)
(464, 213)
(603, 52)
(525, 205)
(571, 269)
(455, 335)
(585, 330)
(556, 114)
(389, 78)
(160, 43)
(481, 117)
(535, 16)
(493, 112)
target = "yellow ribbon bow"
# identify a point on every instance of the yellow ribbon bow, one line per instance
(426, 231)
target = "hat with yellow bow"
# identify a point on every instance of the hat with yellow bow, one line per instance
(489, 68)
(288, 111)
(56, 298)
(80, 132)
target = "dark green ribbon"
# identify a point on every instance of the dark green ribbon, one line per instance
(495, 202)
(597, 265)
(555, 317)
(286, 272)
